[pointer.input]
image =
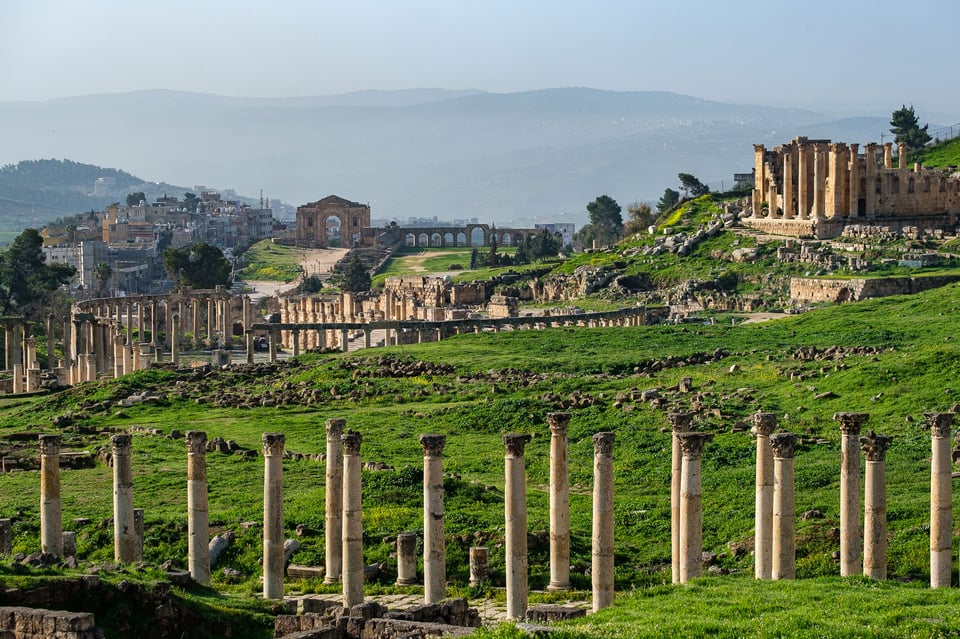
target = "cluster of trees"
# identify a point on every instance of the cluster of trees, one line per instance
(197, 266)
(28, 285)
(906, 129)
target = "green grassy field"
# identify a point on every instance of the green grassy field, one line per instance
(426, 262)
(267, 261)
(895, 358)
(941, 155)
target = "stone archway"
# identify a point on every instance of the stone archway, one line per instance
(333, 230)
(410, 240)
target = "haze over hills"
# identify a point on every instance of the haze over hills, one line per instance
(506, 158)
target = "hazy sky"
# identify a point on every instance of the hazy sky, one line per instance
(849, 55)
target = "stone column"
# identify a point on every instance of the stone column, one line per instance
(784, 564)
(125, 543)
(175, 340)
(273, 337)
(515, 511)
(680, 423)
(763, 425)
(602, 564)
(250, 346)
(691, 506)
(295, 335)
(803, 180)
(118, 347)
(787, 185)
(850, 534)
(941, 500)
(51, 522)
(854, 186)
(434, 548)
(888, 155)
(818, 181)
(772, 200)
(875, 505)
(902, 161)
(352, 521)
(479, 565)
(407, 559)
(273, 515)
(333, 543)
(559, 503)
(198, 528)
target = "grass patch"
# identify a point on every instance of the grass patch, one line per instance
(266, 261)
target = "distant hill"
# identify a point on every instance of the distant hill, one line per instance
(505, 158)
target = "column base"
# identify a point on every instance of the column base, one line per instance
(407, 582)
(555, 587)
(331, 580)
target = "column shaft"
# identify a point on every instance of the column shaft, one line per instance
(691, 505)
(51, 517)
(273, 558)
(333, 529)
(784, 565)
(850, 534)
(680, 423)
(352, 521)
(198, 523)
(941, 500)
(875, 506)
(559, 503)
(434, 546)
(515, 512)
(764, 423)
(125, 543)
(602, 568)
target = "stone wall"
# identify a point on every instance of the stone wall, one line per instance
(33, 623)
(811, 290)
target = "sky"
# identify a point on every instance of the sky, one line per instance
(843, 56)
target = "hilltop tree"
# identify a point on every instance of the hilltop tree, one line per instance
(905, 125)
(606, 220)
(641, 216)
(200, 266)
(668, 200)
(692, 185)
(27, 283)
(134, 199)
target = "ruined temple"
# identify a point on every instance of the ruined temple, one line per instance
(814, 188)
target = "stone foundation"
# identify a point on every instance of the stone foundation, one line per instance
(370, 620)
(806, 290)
(33, 623)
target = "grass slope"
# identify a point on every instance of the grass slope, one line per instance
(267, 261)
(895, 358)
(941, 155)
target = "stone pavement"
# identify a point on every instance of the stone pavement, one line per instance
(491, 611)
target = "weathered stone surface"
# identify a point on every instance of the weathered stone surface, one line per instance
(549, 612)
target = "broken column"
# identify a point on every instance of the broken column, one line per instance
(334, 501)
(875, 505)
(479, 565)
(515, 511)
(352, 521)
(680, 423)
(407, 559)
(691, 506)
(273, 515)
(784, 564)
(51, 523)
(850, 534)
(125, 542)
(434, 550)
(198, 528)
(559, 503)
(941, 499)
(763, 425)
(602, 564)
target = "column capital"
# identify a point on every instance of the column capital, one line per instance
(351, 441)
(273, 444)
(851, 423)
(692, 444)
(49, 444)
(196, 442)
(764, 423)
(515, 443)
(433, 445)
(939, 423)
(335, 428)
(603, 444)
(559, 423)
(784, 445)
(875, 446)
(680, 422)
(121, 444)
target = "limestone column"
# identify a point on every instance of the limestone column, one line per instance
(691, 506)
(759, 178)
(850, 534)
(854, 189)
(272, 338)
(680, 423)
(818, 181)
(51, 361)
(141, 321)
(803, 180)
(118, 346)
(763, 425)
(125, 543)
(198, 528)
(941, 499)
(479, 565)
(787, 185)
(295, 334)
(51, 522)
(250, 346)
(772, 200)
(352, 521)
(153, 324)
(407, 559)
(784, 554)
(875, 505)
(888, 155)
(559, 503)
(434, 548)
(833, 169)
(273, 559)
(602, 564)
(515, 511)
(333, 543)
(175, 340)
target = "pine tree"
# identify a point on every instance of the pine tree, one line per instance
(905, 125)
